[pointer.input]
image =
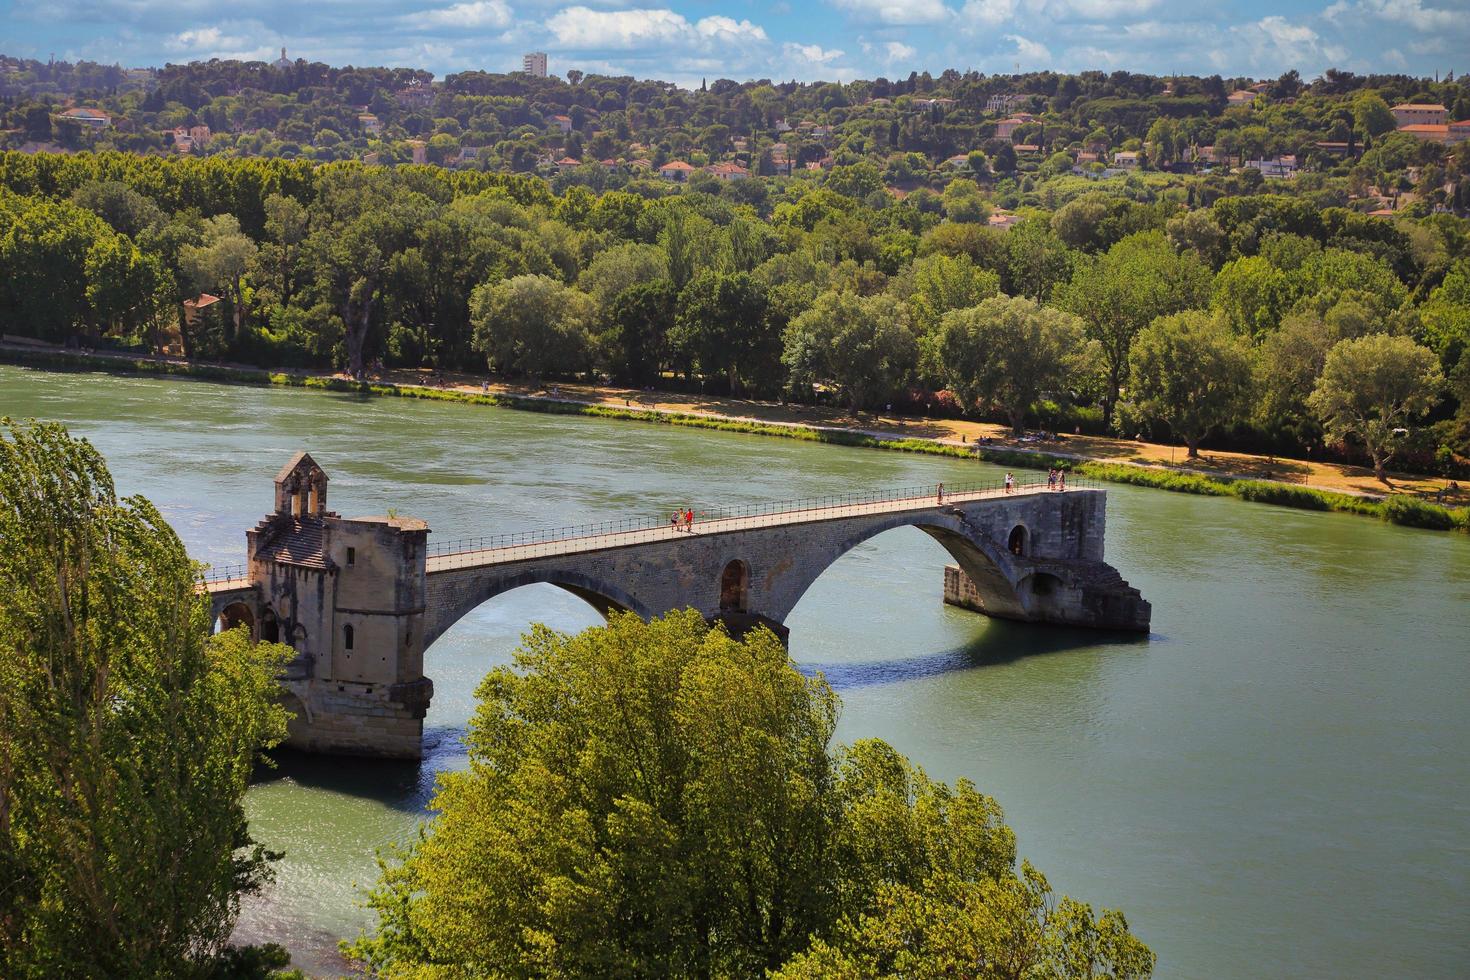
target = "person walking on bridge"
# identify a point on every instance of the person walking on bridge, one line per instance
(689, 520)
(941, 495)
(1010, 483)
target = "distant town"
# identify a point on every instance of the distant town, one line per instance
(1392, 140)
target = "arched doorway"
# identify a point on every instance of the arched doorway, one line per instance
(270, 627)
(1017, 543)
(735, 587)
(237, 614)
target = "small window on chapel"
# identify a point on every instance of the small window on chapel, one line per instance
(352, 556)
(347, 637)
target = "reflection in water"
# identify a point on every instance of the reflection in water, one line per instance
(1243, 790)
(1003, 642)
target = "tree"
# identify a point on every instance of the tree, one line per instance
(1372, 387)
(940, 283)
(644, 799)
(1372, 114)
(127, 732)
(1005, 352)
(532, 324)
(1036, 260)
(1190, 371)
(661, 800)
(221, 262)
(724, 325)
(1123, 290)
(963, 203)
(634, 342)
(619, 268)
(862, 343)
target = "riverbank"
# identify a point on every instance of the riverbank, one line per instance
(1293, 483)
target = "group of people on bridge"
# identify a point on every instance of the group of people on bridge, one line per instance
(682, 520)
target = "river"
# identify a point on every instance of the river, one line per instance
(1276, 782)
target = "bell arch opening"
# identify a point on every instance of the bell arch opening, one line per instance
(735, 587)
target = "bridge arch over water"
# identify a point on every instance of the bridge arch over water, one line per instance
(360, 599)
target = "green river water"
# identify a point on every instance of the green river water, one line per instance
(1275, 783)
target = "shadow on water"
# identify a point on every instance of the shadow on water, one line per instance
(404, 785)
(1002, 642)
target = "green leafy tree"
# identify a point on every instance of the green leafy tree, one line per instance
(1373, 386)
(221, 262)
(1006, 352)
(940, 283)
(862, 343)
(127, 732)
(724, 325)
(619, 268)
(1123, 290)
(1190, 371)
(644, 799)
(1372, 114)
(661, 800)
(963, 203)
(532, 325)
(634, 340)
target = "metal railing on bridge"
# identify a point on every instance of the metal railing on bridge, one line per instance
(462, 552)
(224, 573)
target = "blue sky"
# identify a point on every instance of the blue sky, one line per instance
(686, 40)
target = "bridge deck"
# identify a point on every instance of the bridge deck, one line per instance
(477, 557)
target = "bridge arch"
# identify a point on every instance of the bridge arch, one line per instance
(465, 595)
(988, 564)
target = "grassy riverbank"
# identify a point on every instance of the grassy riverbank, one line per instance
(1402, 508)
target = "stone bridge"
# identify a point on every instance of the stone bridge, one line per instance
(360, 599)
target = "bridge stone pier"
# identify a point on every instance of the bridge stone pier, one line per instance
(361, 599)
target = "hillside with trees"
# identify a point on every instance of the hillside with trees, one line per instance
(1120, 294)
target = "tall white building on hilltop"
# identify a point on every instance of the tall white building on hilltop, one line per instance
(534, 64)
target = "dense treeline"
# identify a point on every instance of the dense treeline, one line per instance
(1121, 308)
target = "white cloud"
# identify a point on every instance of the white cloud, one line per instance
(897, 11)
(1414, 14)
(813, 53)
(581, 27)
(197, 40)
(898, 51)
(1030, 51)
(596, 30)
(476, 13)
(1101, 9)
(1274, 43)
(727, 29)
(240, 41)
(988, 12)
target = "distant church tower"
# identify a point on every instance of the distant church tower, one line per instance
(283, 62)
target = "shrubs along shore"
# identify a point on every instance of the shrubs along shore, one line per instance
(1396, 509)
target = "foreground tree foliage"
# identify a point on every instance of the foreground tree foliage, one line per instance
(127, 732)
(661, 800)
